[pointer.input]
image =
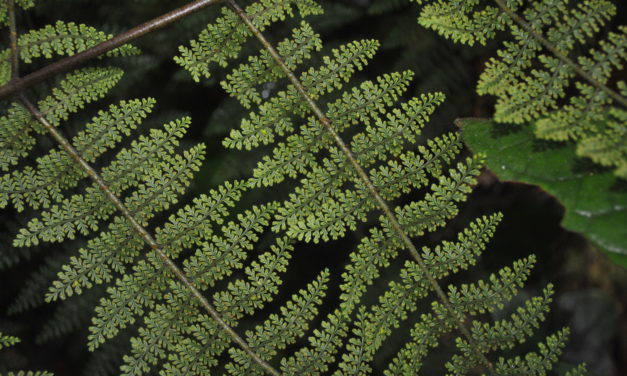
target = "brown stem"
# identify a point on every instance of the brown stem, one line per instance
(15, 60)
(70, 62)
(324, 120)
(551, 48)
(148, 238)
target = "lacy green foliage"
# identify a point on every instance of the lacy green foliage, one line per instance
(178, 339)
(56, 171)
(236, 259)
(538, 363)
(222, 40)
(595, 203)
(72, 94)
(261, 69)
(59, 39)
(338, 68)
(466, 22)
(532, 83)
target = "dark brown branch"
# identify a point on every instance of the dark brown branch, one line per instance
(70, 62)
(15, 59)
(565, 59)
(324, 120)
(146, 236)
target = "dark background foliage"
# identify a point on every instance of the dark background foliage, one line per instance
(591, 293)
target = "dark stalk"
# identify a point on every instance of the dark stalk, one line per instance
(15, 59)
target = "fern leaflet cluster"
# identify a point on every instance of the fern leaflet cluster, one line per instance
(549, 73)
(59, 39)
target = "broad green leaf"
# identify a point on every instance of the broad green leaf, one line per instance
(595, 203)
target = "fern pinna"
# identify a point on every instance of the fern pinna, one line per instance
(183, 292)
(550, 73)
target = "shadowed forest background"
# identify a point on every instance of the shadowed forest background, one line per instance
(591, 292)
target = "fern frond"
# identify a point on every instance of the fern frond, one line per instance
(503, 334)
(368, 147)
(517, 55)
(278, 331)
(74, 92)
(400, 299)
(15, 138)
(468, 300)
(438, 205)
(199, 354)
(62, 38)
(482, 297)
(338, 186)
(341, 211)
(273, 116)
(222, 40)
(55, 172)
(539, 363)
(65, 39)
(141, 288)
(374, 253)
(584, 117)
(463, 21)
(261, 284)
(144, 162)
(159, 190)
(534, 74)
(219, 257)
(120, 245)
(261, 69)
(297, 154)
(163, 329)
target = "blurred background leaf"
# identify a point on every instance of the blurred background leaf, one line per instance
(595, 201)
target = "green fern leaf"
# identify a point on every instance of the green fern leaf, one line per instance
(56, 171)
